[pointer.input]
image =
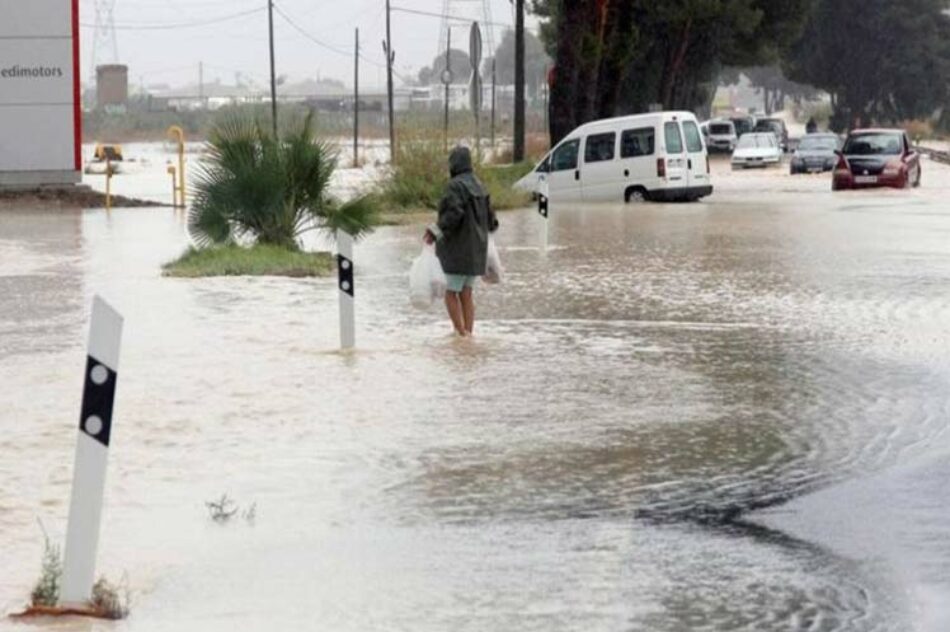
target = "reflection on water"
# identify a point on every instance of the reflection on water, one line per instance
(587, 463)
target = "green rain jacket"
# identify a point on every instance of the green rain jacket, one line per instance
(465, 219)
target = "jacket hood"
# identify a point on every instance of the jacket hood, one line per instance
(460, 161)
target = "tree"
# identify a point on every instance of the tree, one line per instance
(255, 185)
(459, 63)
(776, 87)
(537, 62)
(888, 62)
(620, 56)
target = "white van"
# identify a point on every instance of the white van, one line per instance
(658, 156)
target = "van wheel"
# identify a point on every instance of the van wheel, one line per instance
(636, 195)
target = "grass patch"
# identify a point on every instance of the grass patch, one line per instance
(421, 173)
(257, 260)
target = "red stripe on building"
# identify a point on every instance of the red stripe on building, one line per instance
(77, 95)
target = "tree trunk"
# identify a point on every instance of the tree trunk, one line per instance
(676, 64)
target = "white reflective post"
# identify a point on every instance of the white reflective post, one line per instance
(344, 262)
(544, 211)
(92, 449)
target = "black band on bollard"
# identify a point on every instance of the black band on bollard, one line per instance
(98, 397)
(543, 205)
(345, 272)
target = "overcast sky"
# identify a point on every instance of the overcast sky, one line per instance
(157, 54)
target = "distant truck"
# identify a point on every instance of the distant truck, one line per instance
(658, 156)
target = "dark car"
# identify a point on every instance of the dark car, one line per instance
(777, 127)
(816, 153)
(743, 124)
(877, 158)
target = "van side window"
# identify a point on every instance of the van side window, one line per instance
(600, 147)
(674, 142)
(637, 142)
(694, 143)
(545, 165)
(565, 156)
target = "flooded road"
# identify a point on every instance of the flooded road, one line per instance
(729, 415)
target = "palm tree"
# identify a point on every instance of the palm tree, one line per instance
(254, 185)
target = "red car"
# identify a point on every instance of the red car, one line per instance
(876, 158)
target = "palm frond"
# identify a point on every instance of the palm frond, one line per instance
(252, 184)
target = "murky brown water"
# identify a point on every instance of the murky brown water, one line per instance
(589, 462)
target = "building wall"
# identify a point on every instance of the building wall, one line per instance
(112, 85)
(39, 90)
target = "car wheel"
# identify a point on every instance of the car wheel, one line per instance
(636, 195)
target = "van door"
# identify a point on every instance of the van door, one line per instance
(697, 161)
(564, 179)
(638, 162)
(676, 169)
(601, 179)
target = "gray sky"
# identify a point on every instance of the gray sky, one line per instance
(171, 55)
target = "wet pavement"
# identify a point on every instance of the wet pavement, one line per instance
(728, 415)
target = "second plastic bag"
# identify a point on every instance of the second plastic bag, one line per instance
(426, 279)
(494, 272)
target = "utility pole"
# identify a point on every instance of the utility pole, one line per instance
(356, 102)
(519, 81)
(493, 101)
(447, 80)
(201, 83)
(390, 58)
(273, 74)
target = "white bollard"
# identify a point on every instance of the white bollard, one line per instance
(344, 262)
(92, 449)
(543, 210)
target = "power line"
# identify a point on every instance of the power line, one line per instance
(180, 25)
(330, 47)
(445, 16)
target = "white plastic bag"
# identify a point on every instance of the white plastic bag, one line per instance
(426, 279)
(494, 272)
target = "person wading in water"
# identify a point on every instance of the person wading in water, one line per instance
(461, 238)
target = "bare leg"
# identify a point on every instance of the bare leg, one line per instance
(468, 309)
(454, 306)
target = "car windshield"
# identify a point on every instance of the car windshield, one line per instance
(818, 143)
(750, 141)
(768, 126)
(874, 144)
(720, 128)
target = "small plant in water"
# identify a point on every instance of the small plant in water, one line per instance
(223, 509)
(46, 590)
(107, 600)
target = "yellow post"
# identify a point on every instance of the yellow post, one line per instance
(179, 134)
(108, 184)
(171, 170)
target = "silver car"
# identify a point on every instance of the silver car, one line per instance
(815, 153)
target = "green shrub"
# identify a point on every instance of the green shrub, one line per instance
(46, 590)
(421, 172)
(255, 185)
(258, 260)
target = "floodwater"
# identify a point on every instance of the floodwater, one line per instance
(729, 415)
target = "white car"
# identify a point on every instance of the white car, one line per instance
(658, 156)
(757, 150)
(721, 135)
